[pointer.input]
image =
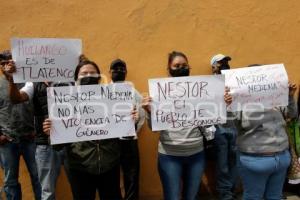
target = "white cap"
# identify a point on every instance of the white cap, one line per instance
(218, 58)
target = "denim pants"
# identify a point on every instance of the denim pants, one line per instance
(174, 170)
(49, 162)
(130, 164)
(263, 176)
(10, 159)
(226, 168)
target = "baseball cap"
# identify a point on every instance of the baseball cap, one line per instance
(5, 55)
(217, 58)
(116, 63)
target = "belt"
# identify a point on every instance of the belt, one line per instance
(263, 154)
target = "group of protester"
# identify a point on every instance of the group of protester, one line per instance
(252, 145)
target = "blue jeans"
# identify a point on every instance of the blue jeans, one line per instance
(10, 157)
(49, 162)
(174, 170)
(263, 176)
(226, 168)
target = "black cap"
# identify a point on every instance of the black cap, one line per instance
(5, 55)
(116, 63)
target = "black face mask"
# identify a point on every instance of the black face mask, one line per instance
(118, 76)
(182, 71)
(224, 66)
(89, 80)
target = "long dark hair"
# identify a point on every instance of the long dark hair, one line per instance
(83, 60)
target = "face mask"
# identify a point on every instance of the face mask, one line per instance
(224, 66)
(89, 80)
(182, 71)
(118, 76)
(216, 70)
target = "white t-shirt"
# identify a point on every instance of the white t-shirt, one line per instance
(28, 89)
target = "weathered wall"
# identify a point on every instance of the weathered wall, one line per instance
(143, 32)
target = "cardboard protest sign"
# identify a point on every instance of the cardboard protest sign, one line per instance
(45, 59)
(186, 102)
(90, 112)
(264, 86)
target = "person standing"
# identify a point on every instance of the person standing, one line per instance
(225, 143)
(263, 149)
(181, 159)
(93, 166)
(48, 160)
(16, 136)
(129, 158)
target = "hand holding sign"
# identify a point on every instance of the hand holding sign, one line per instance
(8, 68)
(292, 89)
(227, 96)
(186, 102)
(146, 104)
(135, 114)
(264, 86)
(45, 59)
(90, 112)
(47, 126)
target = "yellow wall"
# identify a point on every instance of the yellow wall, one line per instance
(142, 32)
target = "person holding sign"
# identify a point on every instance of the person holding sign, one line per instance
(130, 161)
(48, 160)
(181, 158)
(92, 165)
(16, 136)
(225, 142)
(263, 149)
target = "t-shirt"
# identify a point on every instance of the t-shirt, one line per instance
(28, 89)
(183, 142)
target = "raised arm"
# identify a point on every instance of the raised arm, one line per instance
(16, 95)
(146, 106)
